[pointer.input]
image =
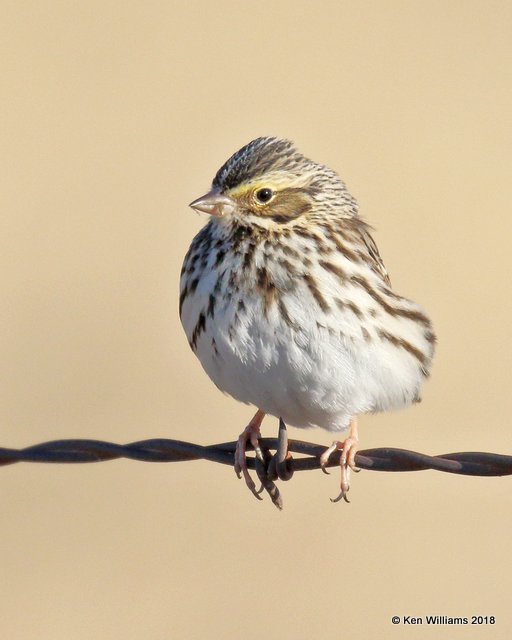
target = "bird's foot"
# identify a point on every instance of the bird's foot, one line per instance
(348, 450)
(278, 467)
(251, 434)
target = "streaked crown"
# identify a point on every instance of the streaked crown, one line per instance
(256, 159)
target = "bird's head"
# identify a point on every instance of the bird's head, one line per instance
(268, 183)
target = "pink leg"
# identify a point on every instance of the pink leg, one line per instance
(348, 450)
(251, 434)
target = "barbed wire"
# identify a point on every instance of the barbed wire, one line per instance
(166, 450)
(281, 465)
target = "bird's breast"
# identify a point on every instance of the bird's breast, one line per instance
(282, 324)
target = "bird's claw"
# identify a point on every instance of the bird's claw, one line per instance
(324, 458)
(250, 434)
(250, 483)
(256, 492)
(343, 494)
(348, 450)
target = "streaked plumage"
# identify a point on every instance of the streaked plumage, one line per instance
(286, 301)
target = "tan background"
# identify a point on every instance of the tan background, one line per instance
(114, 116)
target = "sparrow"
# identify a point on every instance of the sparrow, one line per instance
(286, 302)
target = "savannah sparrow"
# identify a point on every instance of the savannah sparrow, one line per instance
(288, 306)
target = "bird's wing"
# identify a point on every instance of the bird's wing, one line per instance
(376, 262)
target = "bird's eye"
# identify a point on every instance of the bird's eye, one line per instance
(264, 195)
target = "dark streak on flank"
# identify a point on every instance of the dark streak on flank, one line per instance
(287, 250)
(232, 284)
(348, 304)
(333, 268)
(193, 285)
(284, 313)
(289, 268)
(404, 344)
(198, 329)
(218, 284)
(315, 292)
(211, 305)
(390, 293)
(430, 336)
(183, 296)
(410, 314)
(366, 334)
(344, 249)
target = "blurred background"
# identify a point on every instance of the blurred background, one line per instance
(114, 116)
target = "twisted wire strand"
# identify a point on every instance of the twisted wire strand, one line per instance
(166, 450)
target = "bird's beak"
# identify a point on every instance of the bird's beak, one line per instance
(214, 203)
